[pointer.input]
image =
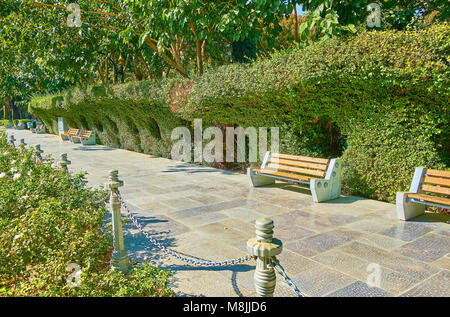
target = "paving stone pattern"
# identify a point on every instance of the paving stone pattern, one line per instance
(328, 248)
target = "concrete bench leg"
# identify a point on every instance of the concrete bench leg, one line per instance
(259, 180)
(406, 209)
(330, 187)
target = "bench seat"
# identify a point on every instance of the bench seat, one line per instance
(66, 135)
(287, 176)
(322, 175)
(85, 137)
(429, 187)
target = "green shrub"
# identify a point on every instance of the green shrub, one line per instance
(384, 150)
(48, 221)
(4, 123)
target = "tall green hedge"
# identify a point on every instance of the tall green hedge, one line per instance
(133, 116)
(380, 99)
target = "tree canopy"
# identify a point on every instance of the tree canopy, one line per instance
(49, 45)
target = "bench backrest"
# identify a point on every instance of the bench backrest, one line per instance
(302, 165)
(85, 133)
(436, 181)
(73, 132)
(39, 127)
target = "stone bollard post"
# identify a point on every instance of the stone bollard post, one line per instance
(264, 247)
(12, 139)
(119, 259)
(22, 145)
(64, 162)
(37, 147)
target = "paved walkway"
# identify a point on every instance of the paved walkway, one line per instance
(330, 249)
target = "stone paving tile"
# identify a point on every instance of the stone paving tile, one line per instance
(445, 231)
(198, 283)
(427, 248)
(390, 281)
(245, 227)
(414, 269)
(269, 210)
(320, 281)
(359, 289)
(211, 208)
(382, 242)
(203, 245)
(322, 242)
(245, 214)
(206, 199)
(225, 234)
(182, 203)
(288, 234)
(437, 285)
(161, 225)
(408, 231)
(324, 223)
(371, 225)
(204, 219)
(158, 206)
(294, 263)
(443, 262)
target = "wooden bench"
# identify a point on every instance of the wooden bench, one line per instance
(19, 126)
(429, 187)
(322, 175)
(40, 129)
(66, 135)
(85, 137)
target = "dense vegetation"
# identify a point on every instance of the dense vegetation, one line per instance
(380, 99)
(47, 222)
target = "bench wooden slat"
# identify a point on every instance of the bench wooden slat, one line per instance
(285, 175)
(438, 173)
(429, 198)
(297, 170)
(436, 189)
(301, 158)
(322, 167)
(437, 181)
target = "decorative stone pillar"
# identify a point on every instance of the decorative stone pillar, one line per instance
(64, 162)
(12, 139)
(22, 145)
(38, 150)
(264, 247)
(119, 259)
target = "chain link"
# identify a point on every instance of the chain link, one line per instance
(191, 260)
(98, 202)
(276, 263)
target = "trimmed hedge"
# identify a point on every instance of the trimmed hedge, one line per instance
(133, 116)
(383, 93)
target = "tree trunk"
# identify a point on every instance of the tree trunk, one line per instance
(199, 57)
(107, 70)
(170, 61)
(295, 24)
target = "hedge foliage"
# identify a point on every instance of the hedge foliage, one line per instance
(133, 116)
(380, 99)
(47, 222)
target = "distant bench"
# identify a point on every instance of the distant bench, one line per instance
(429, 187)
(84, 137)
(40, 129)
(66, 135)
(322, 175)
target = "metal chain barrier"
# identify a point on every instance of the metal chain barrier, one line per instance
(275, 264)
(191, 260)
(98, 202)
